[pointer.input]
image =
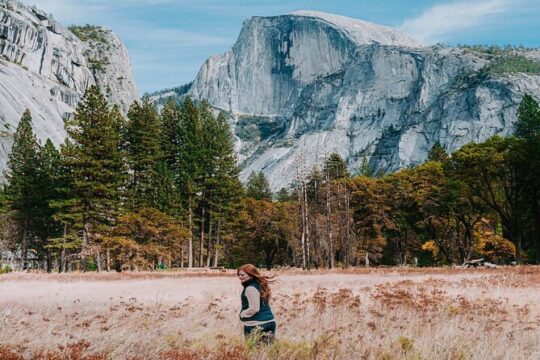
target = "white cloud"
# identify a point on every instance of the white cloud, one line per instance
(440, 22)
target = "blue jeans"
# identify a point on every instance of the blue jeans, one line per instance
(268, 331)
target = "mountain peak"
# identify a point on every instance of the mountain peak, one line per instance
(360, 31)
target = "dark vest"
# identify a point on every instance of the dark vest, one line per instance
(265, 313)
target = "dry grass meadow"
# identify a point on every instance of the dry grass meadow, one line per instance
(356, 314)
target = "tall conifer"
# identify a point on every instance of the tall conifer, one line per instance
(258, 187)
(189, 163)
(335, 167)
(144, 153)
(22, 174)
(95, 162)
(222, 187)
(47, 227)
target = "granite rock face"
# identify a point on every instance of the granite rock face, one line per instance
(301, 86)
(47, 68)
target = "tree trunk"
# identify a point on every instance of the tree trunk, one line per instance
(62, 262)
(536, 219)
(347, 245)
(328, 227)
(98, 260)
(208, 254)
(182, 257)
(86, 235)
(269, 258)
(190, 250)
(216, 247)
(303, 239)
(49, 262)
(519, 258)
(24, 243)
(201, 253)
(308, 259)
(108, 259)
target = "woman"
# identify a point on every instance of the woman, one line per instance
(256, 312)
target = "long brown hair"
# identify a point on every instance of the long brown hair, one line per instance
(262, 280)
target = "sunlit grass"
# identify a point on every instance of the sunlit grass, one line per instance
(354, 314)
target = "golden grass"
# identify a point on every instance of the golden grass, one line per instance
(354, 314)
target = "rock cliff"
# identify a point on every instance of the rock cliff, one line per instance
(303, 85)
(46, 68)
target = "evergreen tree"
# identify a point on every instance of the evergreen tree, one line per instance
(526, 157)
(95, 162)
(143, 152)
(335, 167)
(167, 197)
(170, 134)
(168, 172)
(528, 123)
(48, 228)
(284, 195)
(190, 150)
(22, 191)
(222, 187)
(188, 165)
(437, 153)
(67, 208)
(365, 169)
(258, 187)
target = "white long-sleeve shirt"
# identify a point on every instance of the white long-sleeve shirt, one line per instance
(254, 300)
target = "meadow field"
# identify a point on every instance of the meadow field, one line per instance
(355, 314)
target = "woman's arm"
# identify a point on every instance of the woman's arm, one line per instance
(254, 300)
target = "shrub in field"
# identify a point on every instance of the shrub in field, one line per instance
(406, 343)
(284, 349)
(6, 353)
(221, 352)
(5, 269)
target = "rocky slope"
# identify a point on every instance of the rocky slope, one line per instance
(46, 68)
(303, 85)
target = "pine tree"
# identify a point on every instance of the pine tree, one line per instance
(188, 163)
(47, 227)
(167, 197)
(365, 169)
(22, 191)
(335, 167)
(170, 134)
(526, 157)
(258, 187)
(437, 153)
(168, 172)
(144, 153)
(67, 210)
(528, 124)
(222, 186)
(95, 162)
(284, 195)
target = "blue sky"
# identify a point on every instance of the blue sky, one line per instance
(168, 40)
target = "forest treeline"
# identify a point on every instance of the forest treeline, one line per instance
(161, 190)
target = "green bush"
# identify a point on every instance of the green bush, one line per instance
(511, 64)
(494, 50)
(5, 269)
(97, 64)
(91, 264)
(90, 33)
